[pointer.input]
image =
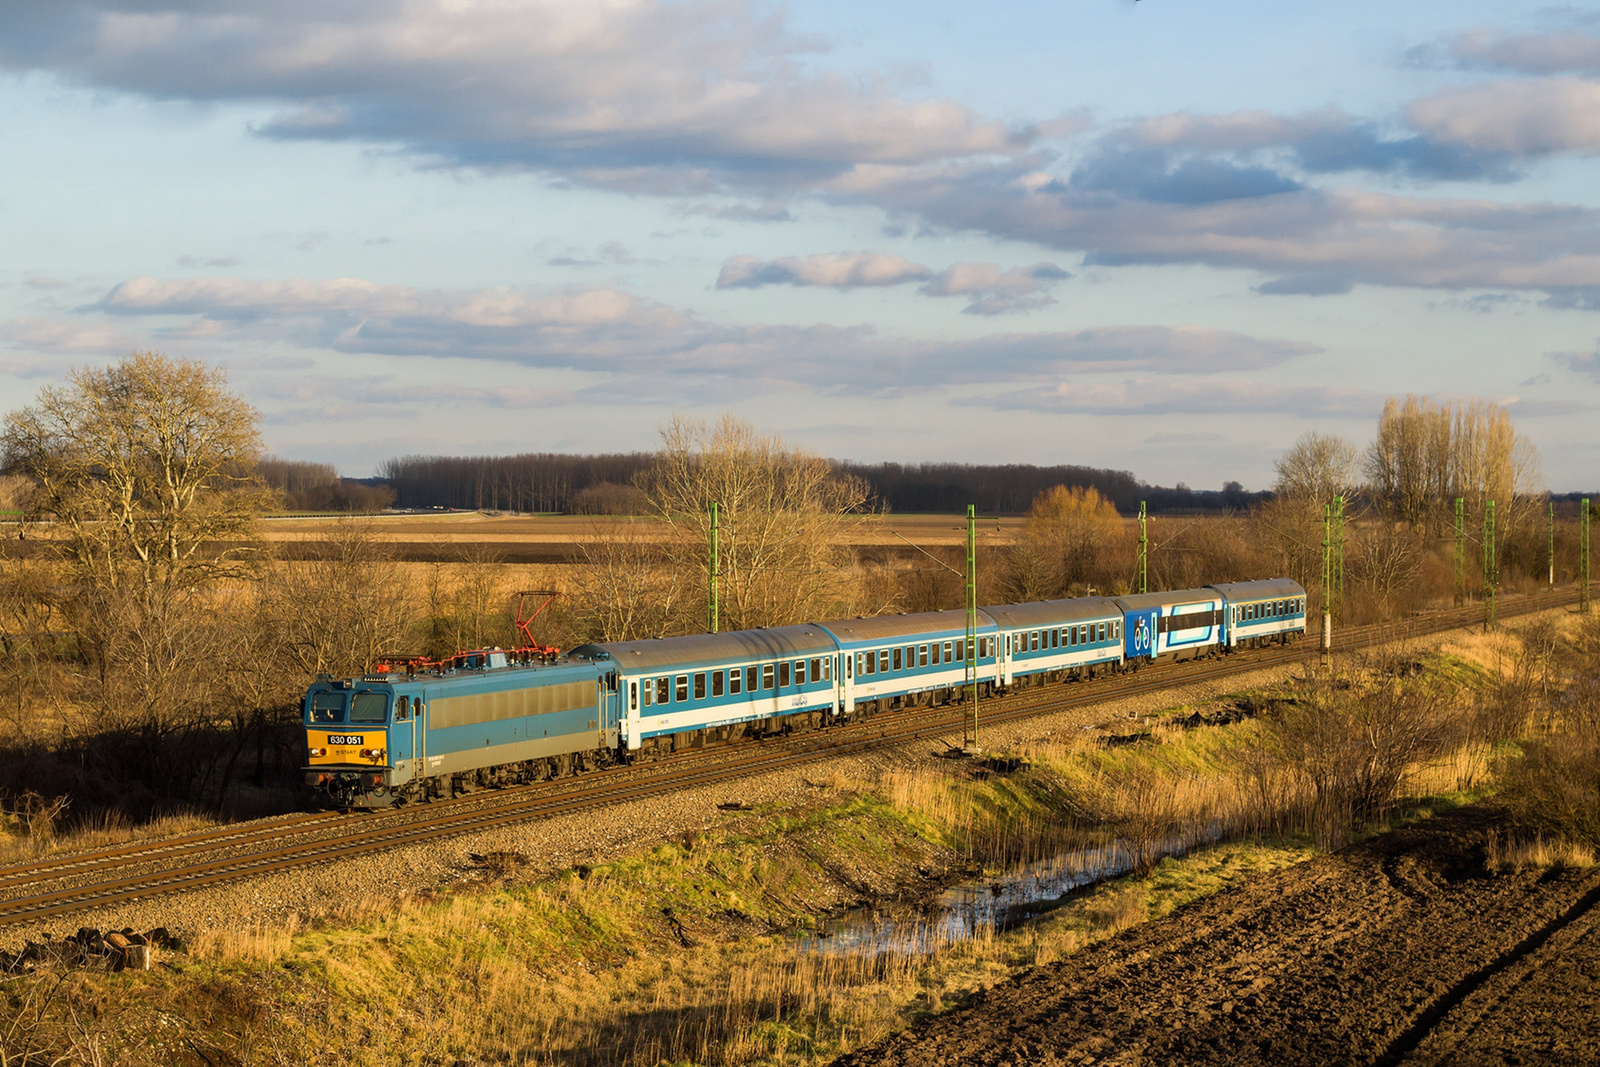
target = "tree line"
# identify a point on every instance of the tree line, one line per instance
(607, 484)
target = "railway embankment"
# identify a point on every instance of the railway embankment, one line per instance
(666, 928)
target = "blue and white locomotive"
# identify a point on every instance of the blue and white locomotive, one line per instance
(489, 720)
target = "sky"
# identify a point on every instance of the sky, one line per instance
(1160, 236)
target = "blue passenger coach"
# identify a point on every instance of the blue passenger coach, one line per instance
(1258, 612)
(743, 681)
(888, 658)
(1178, 625)
(1059, 638)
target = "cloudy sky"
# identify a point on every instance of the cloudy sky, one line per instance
(1167, 236)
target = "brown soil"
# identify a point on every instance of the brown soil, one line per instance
(1399, 950)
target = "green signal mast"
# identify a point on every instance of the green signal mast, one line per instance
(1461, 551)
(1583, 557)
(715, 567)
(1491, 566)
(1551, 557)
(1144, 550)
(970, 741)
(1332, 566)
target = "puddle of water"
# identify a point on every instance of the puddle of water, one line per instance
(979, 908)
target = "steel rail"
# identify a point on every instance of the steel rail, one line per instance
(531, 802)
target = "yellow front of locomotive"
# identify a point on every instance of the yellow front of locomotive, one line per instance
(347, 744)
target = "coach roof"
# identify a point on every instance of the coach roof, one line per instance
(1267, 589)
(853, 632)
(777, 642)
(1053, 612)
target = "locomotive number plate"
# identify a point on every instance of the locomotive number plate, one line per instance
(344, 739)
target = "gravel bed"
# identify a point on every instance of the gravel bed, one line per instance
(597, 836)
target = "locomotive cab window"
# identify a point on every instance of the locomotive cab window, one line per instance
(327, 707)
(402, 709)
(369, 707)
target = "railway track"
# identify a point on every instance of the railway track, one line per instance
(60, 885)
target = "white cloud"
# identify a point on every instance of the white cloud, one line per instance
(644, 94)
(837, 270)
(1526, 117)
(608, 331)
(1222, 396)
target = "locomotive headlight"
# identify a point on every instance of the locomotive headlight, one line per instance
(373, 753)
(319, 752)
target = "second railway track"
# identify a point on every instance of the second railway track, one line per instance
(68, 883)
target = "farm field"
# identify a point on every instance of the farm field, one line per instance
(1404, 949)
(485, 527)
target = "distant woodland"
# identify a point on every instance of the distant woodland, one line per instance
(607, 485)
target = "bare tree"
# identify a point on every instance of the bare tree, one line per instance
(1068, 533)
(341, 613)
(144, 463)
(1426, 454)
(627, 587)
(784, 519)
(1315, 469)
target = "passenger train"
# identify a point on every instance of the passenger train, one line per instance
(493, 718)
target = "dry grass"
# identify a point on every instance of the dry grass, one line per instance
(1515, 853)
(26, 837)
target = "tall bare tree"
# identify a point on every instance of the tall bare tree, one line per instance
(784, 519)
(1426, 454)
(144, 463)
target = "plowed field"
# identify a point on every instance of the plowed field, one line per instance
(1399, 950)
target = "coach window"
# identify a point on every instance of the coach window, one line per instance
(961, 651)
(736, 681)
(800, 672)
(897, 661)
(783, 675)
(816, 671)
(716, 683)
(827, 669)
(683, 688)
(663, 689)
(700, 686)
(633, 696)
(767, 674)
(749, 679)
(883, 661)
(922, 655)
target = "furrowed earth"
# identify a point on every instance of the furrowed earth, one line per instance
(1403, 949)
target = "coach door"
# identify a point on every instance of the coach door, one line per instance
(844, 682)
